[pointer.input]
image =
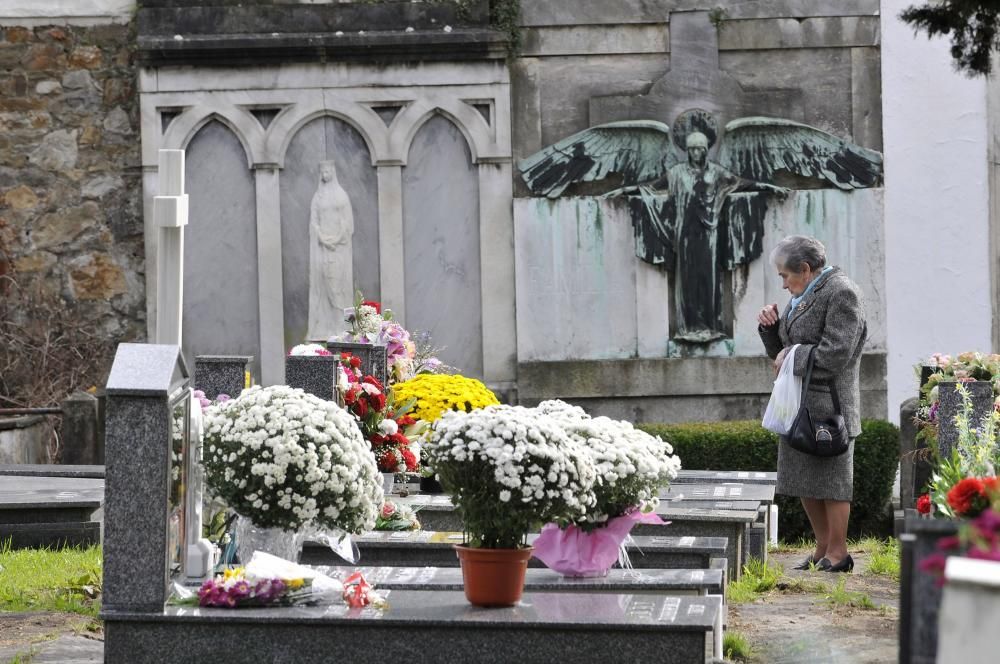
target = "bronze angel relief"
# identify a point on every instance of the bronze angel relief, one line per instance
(696, 217)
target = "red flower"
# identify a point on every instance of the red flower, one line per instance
(377, 439)
(372, 380)
(405, 421)
(351, 396)
(345, 356)
(377, 401)
(355, 362)
(968, 497)
(410, 459)
(361, 408)
(924, 504)
(376, 305)
(991, 486)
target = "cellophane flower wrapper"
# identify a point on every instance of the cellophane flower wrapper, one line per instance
(265, 581)
(573, 552)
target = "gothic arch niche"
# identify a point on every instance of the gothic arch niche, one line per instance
(441, 244)
(221, 313)
(322, 139)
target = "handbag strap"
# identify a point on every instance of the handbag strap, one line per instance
(808, 379)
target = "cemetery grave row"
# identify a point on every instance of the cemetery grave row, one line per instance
(671, 600)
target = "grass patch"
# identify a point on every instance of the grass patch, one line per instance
(883, 556)
(801, 544)
(840, 596)
(736, 647)
(67, 580)
(758, 578)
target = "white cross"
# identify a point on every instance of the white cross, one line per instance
(170, 215)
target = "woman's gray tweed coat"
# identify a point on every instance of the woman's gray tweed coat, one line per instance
(830, 318)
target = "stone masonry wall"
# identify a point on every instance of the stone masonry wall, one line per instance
(71, 230)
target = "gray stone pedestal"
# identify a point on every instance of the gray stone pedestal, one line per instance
(316, 374)
(221, 374)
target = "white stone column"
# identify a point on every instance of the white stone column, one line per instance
(392, 281)
(496, 256)
(270, 290)
(170, 215)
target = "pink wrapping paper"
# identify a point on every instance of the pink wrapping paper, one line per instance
(573, 552)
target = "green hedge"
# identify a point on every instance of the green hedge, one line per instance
(745, 445)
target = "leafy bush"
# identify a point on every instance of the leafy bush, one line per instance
(745, 445)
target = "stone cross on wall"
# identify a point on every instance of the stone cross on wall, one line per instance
(696, 81)
(170, 215)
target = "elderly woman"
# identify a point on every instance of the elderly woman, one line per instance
(825, 314)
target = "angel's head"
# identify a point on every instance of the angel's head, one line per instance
(697, 148)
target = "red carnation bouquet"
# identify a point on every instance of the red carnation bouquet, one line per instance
(381, 421)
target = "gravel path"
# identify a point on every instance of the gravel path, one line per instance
(792, 626)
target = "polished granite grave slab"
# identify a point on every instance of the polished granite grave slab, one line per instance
(38, 511)
(661, 581)
(422, 548)
(52, 470)
(727, 491)
(733, 525)
(425, 626)
(717, 476)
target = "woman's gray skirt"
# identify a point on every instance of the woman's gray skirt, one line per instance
(807, 476)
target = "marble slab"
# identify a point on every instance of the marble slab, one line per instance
(32, 492)
(712, 476)
(51, 470)
(669, 581)
(543, 627)
(435, 549)
(733, 491)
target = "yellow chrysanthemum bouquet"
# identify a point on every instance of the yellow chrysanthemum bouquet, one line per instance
(438, 393)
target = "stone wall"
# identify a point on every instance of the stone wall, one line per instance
(71, 230)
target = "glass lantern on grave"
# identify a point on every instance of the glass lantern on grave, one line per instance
(190, 557)
(152, 502)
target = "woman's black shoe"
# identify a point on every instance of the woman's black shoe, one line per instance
(807, 563)
(845, 565)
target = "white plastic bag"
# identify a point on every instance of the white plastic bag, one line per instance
(785, 397)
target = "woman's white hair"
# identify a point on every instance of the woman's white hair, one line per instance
(791, 252)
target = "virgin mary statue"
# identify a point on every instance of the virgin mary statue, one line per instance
(331, 276)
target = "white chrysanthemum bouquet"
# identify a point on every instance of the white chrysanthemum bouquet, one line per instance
(286, 459)
(632, 465)
(508, 470)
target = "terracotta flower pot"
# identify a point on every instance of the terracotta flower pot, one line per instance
(493, 577)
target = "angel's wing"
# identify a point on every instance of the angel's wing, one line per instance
(637, 150)
(755, 148)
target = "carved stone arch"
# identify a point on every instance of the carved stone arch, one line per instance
(244, 126)
(361, 118)
(472, 125)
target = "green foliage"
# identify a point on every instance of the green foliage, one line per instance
(505, 16)
(841, 596)
(745, 445)
(758, 578)
(736, 647)
(68, 579)
(972, 25)
(717, 16)
(883, 557)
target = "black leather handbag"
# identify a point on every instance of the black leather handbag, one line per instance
(824, 438)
